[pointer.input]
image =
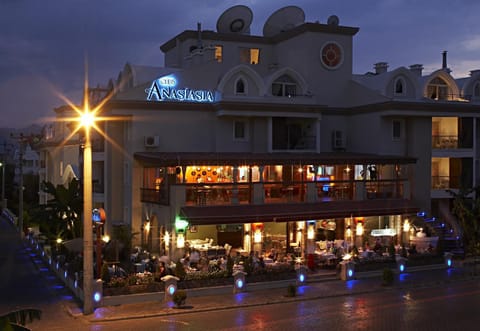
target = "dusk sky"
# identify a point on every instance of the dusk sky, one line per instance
(44, 44)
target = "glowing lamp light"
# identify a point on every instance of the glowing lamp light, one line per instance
(257, 237)
(97, 296)
(57, 265)
(180, 225)
(359, 229)
(406, 226)
(59, 240)
(449, 262)
(311, 232)
(301, 277)
(171, 289)
(180, 240)
(147, 226)
(239, 283)
(65, 274)
(106, 238)
(350, 273)
(87, 119)
(349, 232)
(75, 283)
(166, 238)
(402, 267)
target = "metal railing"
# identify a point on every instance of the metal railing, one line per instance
(279, 192)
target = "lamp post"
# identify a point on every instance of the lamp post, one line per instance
(87, 120)
(3, 165)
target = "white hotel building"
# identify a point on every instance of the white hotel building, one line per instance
(272, 141)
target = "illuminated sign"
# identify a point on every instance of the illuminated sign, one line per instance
(383, 232)
(164, 88)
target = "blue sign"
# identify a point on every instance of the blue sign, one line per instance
(164, 88)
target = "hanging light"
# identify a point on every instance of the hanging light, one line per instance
(180, 240)
(166, 238)
(359, 229)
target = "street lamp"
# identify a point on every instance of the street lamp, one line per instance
(3, 165)
(87, 120)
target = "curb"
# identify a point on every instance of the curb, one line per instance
(283, 299)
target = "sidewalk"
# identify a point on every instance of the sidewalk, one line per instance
(318, 286)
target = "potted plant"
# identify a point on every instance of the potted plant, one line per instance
(179, 298)
(387, 277)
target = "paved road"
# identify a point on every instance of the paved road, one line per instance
(438, 299)
(26, 282)
(435, 307)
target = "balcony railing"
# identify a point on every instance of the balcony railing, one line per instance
(279, 192)
(445, 182)
(444, 142)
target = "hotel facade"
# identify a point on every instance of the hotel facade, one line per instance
(259, 142)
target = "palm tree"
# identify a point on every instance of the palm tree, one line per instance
(15, 320)
(62, 214)
(467, 210)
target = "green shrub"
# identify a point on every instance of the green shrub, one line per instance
(179, 298)
(180, 270)
(291, 290)
(230, 264)
(387, 277)
(105, 274)
(391, 250)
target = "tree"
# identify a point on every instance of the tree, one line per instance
(62, 214)
(466, 207)
(15, 320)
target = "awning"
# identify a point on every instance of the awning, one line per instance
(161, 159)
(294, 211)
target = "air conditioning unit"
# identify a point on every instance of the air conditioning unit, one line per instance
(339, 141)
(152, 141)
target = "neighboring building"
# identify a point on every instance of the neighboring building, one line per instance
(272, 141)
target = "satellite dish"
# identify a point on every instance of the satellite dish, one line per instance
(333, 20)
(284, 19)
(236, 19)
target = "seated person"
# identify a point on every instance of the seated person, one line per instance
(273, 254)
(194, 258)
(378, 248)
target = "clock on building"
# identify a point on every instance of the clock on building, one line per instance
(331, 55)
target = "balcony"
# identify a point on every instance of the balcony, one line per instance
(446, 182)
(280, 192)
(444, 142)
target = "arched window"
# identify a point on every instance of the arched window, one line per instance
(399, 86)
(284, 86)
(240, 87)
(437, 89)
(476, 90)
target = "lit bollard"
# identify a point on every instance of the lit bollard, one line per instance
(347, 271)
(97, 293)
(401, 264)
(301, 275)
(448, 259)
(239, 283)
(170, 286)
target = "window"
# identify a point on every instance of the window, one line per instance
(240, 87)
(219, 53)
(239, 130)
(476, 89)
(284, 86)
(437, 89)
(396, 130)
(249, 55)
(293, 133)
(399, 88)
